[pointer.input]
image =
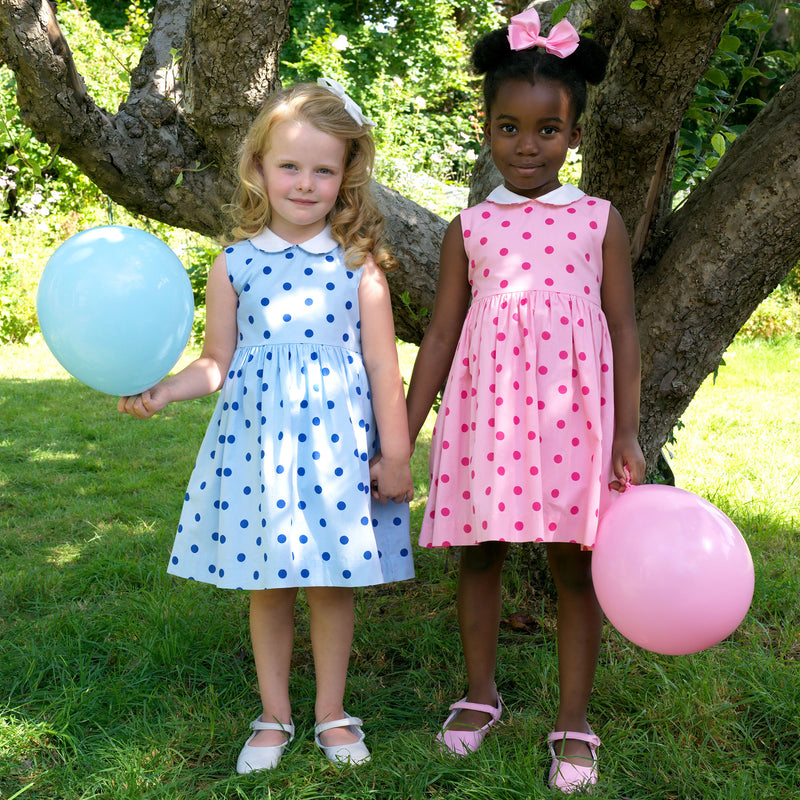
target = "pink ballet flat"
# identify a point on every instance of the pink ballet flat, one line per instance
(460, 743)
(568, 777)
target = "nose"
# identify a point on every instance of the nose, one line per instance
(528, 144)
(305, 181)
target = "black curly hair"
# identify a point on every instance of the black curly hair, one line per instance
(493, 57)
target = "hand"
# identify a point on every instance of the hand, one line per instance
(627, 461)
(144, 405)
(390, 479)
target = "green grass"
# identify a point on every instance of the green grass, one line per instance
(117, 681)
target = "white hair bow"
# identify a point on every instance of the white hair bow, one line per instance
(350, 105)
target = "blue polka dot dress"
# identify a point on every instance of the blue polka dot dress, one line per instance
(280, 494)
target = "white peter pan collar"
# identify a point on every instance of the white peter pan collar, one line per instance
(270, 242)
(562, 196)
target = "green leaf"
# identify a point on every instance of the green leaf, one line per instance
(729, 44)
(179, 179)
(559, 12)
(751, 72)
(717, 77)
(718, 143)
(638, 5)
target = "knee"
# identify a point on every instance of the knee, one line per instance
(483, 557)
(571, 569)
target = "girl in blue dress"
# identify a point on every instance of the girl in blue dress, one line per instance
(300, 340)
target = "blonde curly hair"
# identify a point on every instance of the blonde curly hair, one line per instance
(356, 223)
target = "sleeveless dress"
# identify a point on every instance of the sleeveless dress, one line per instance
(280, 492)
(521, 449)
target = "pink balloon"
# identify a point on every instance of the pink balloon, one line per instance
(672, 573)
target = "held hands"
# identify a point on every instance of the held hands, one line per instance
(146, 404)
(390, 479)
(626, 454)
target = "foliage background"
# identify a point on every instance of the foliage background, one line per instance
(406, 63)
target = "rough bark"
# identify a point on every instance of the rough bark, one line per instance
(703, 269)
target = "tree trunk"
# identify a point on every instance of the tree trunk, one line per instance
(168, 153)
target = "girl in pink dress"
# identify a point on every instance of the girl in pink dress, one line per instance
(534, 320)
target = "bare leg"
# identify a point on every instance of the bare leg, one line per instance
(272, 633)
(331, 612)
(579, 632)
(479, 584)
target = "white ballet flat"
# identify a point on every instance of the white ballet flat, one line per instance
(252, 759)
(354, 753)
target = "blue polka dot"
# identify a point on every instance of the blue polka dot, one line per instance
(287, 286)
(326, 556)
(343, 540)
(304, 573)
(282, 538)
(367, 555)
(303, 539)
(175, 559)
(282, 573)
(404, 552)
(341, 505)
(346, 573)
(241, 557)
(309, 333)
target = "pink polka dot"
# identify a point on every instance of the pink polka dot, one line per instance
(534, 471)
(549, 221)
(576, 476)
(570, 268)
(575, 441)
(467, 528)
(503, 283)
(519, 525)
(486, 215)
(528, 209)
(545, 335)
(484, 240)
(591, 202)
(526, 235)
(575, 406)
(516, 420)
(548, 281)
(501, 506)
(531, 435)
(572, 236)
(490, 423)
(486, 273)
(604, 367)
(582, 356)
(465, 461)
(571, 211)
(562, 389)
(543, 370)
(465, 495)
(564, 321)
(587, 290)
(444, 478)
(500, 435)
(585, 390)
(503, 251)
(552, 526)
(517, 455)
(574, 510)
(563, 355)
(445, 445)
(445, 512)
(558, 459)
(549, 249)
(467, 233)
(561, 424)
(541, 405)
(555, 493)
(537, 506)
(526, 265)
(505, 223)
(593, 225)
(516, 383)
(518, 490)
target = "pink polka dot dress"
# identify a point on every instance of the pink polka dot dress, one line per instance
(521, 449)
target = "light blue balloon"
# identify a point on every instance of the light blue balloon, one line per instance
(115, 307)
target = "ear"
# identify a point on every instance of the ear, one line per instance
(575, 137)
(487, 131)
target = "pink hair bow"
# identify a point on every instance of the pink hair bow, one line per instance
(523, 33)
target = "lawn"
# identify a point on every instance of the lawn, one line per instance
(117, 681)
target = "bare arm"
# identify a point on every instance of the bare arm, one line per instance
(207, 373)
(618, 305)
(441, 338)
(391, 472)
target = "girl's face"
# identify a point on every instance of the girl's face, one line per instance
(303, 171)
(530, 128)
